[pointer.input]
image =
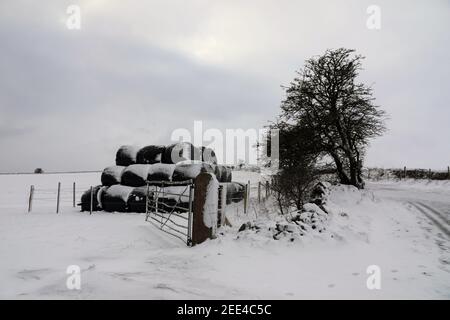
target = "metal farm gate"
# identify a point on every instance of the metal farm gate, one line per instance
(169, 207)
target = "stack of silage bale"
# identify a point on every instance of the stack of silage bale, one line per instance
(124, 186)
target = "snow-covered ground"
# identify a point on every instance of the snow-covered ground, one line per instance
(438, 186)
(122, 256)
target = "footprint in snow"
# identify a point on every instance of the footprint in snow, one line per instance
(33, 274)
(165, 286)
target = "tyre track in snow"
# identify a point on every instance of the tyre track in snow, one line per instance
(432, 215)
(441, 215)
(433, 204)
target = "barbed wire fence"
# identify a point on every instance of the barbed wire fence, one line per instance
(69, 194)
(254, 194)
(57, 197)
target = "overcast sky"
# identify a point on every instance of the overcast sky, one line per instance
(137, 70)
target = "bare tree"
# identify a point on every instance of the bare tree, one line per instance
(338, 113)
(298, 169)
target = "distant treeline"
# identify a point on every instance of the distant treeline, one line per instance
(405, 173)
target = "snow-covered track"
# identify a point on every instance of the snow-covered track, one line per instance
(433, 215)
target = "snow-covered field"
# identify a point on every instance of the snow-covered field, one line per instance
(122, 256)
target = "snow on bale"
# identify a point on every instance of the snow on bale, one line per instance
(161, 172)
(222, 173)
(208, 155)
(86, 200)
(181, 152)
(136, 200)
(235, 192)
(126, 155)
(188, 170)
(135, 175)
(115, 198)
(150, 154)
(112, 175)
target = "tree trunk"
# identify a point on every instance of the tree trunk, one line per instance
(340, 169)
(355, 174)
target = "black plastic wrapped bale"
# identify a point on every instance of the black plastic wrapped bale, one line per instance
(126, 155)
(190, 170)
(161, 172)
(86, 200)
(169, 197)
(235, 192)
(112, 175)
(135, 175)
(150, 154)
(181, 152)
(228, 175)
(208, 155)
(219, 172)
(136, 200)
(115, 198)
(223, 173)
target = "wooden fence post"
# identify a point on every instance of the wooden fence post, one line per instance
(74, 191)
(223, 205)
(245, 198)
(404, 173)
(448, 172)
(259, 192)
(190, 215)
(157, 201)
(146, 201)
(429, 174)
(248, 195)
(30, 199)
(267, 189)
(92, 200)
(58, 197)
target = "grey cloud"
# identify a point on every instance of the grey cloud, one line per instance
(138, 70)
